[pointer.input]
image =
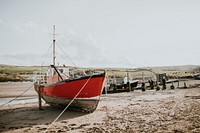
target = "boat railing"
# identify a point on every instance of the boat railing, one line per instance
(39, 77)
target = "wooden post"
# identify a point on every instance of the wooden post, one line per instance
(142, 77)
(128, 81)
(178, 83)
(39, 97)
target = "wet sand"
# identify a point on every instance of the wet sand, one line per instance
(167, 110)
(13, 89)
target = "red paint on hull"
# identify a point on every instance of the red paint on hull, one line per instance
(93, 87)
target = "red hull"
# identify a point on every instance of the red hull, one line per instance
(90, 86)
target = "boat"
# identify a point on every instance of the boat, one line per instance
(78, 92)
(196, 76)
(115, 85)
(133, 83)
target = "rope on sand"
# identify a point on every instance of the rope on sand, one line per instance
(17, 96)
(68, 104)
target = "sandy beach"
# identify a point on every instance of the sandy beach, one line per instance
(167, 110)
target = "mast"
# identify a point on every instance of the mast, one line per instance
(54, 43)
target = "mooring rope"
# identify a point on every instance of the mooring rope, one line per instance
(106, 99)
(68, 104)
(106, 94)
(17, 96)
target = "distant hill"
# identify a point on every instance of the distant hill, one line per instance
(178, 68)
(4, 68)
(18, 69)
(20, 73)
(16, 73)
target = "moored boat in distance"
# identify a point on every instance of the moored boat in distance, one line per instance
(120, 84)
(197, 76)
(60, 88)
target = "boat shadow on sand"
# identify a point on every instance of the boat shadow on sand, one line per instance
(22, 117)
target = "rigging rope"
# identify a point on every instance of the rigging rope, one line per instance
(66, 55)
(44, 56)
(17, 96)
(69, 104)
(77, 68)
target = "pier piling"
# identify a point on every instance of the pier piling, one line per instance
(39, 98)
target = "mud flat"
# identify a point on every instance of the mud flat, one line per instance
(167, 110)
(13, 89)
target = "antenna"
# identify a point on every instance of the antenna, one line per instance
(54, 43)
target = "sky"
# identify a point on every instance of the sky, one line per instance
(100, 33)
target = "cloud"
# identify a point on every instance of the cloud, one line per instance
(17, 37)
(82, 48)
(21, 59)
(101, 33)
